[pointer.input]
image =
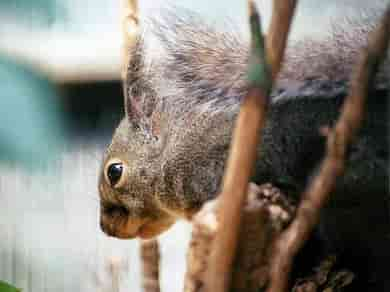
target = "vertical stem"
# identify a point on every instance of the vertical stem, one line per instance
(243, 149)
(150, 257)
(130, 30)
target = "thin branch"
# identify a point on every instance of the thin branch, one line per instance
(318, 191)
(243, 151)
(282, 10)
(130, 30)
(150, 257)
(115, 267)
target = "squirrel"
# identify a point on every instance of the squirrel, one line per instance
(167, 155)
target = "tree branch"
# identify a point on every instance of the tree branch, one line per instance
(243, 151)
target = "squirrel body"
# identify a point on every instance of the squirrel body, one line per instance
(168, 154)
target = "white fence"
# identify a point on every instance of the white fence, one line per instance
(50, 240)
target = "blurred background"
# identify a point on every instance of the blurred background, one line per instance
(59, 103)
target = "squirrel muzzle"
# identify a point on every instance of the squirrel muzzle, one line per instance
(117, 222)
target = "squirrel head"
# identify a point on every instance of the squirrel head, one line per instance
(167, 155)
(150, 178)
(128, 184)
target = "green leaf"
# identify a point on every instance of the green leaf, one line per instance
(4, 287)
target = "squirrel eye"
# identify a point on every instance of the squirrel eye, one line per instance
(114, 172)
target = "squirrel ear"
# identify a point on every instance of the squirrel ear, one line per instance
(138, 92)
(134, 88)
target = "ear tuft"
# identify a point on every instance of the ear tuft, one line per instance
(130, 29)
(139, 92)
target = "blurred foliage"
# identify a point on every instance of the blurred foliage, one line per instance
(36, 12)
(4, 287)
(31, 123)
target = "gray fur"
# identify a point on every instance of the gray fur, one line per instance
(180, 110)
(198, 66)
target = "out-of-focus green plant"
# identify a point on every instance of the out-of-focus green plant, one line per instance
(37, 12)
(31, 128)
(31, 123)
(4, 287)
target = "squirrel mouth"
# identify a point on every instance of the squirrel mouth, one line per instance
(145, 230)
(122, 231)
(131, 228)
(123, 226)
(112, 218)
(118, 221)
